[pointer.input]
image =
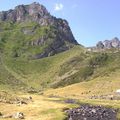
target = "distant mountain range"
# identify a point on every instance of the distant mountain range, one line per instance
(105, 45)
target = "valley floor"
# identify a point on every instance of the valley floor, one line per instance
(41, 108)
(49, 107)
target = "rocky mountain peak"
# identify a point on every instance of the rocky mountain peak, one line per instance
(108, 44)
(37, 9)
(33, 12)
(53, 35)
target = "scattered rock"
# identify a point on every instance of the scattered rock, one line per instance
(30, 98)
(19, 103)
(107, 97)
(70, 101)
(18, 115)
(90, 112)
(32, 90)
(118, 91)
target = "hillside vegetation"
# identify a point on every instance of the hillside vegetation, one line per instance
(69, 67)
(39, 51)
(73, 66)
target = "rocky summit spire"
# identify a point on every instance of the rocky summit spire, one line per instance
(108, 44)
(33, 12)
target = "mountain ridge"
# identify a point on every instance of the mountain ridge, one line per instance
(108, 44)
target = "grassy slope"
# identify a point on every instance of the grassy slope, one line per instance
(72, 66)
(8, 81)
(42, 71)
(16, 53)
(99, 86)
(15, 41)
(105, 79)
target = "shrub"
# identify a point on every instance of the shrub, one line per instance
(98, 60)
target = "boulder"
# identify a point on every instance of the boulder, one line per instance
(18, 115)
(118, 91)
(19, 103)
(30, 98)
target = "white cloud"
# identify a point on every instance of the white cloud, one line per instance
(58, 7)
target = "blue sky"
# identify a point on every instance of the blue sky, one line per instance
(90, 20)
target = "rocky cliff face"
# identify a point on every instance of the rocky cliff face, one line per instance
(21, 13)
(108, 44)
(62, 39)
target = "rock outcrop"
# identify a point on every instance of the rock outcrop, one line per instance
(115, 42)
(17, 115)
(108, 44)
(22, 13)
(100, 45)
